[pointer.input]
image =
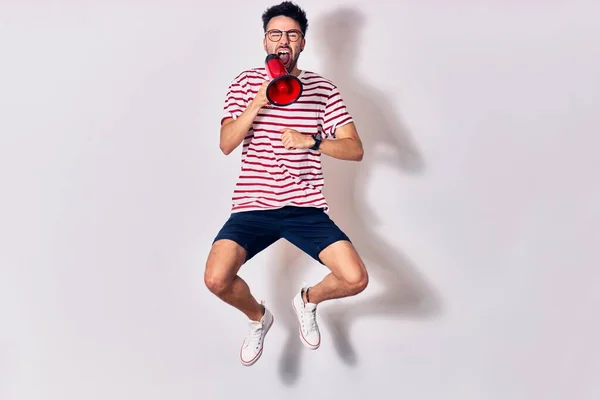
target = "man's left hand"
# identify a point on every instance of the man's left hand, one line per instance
(293, 139)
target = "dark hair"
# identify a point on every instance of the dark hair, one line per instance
(286, 9)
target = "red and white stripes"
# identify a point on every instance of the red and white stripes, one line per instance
(272, 176)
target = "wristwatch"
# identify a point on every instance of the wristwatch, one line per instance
(317, 142)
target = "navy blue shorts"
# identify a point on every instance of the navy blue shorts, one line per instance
(308, 228)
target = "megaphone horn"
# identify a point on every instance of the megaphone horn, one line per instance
(284, 88)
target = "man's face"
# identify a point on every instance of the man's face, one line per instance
(287, 46)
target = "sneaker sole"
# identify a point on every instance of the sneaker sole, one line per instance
(260, 352)
(302, 339)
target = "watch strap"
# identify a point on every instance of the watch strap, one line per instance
(317, 142)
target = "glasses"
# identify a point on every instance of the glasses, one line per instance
(293, 35)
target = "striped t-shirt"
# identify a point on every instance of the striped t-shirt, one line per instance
(272, 176)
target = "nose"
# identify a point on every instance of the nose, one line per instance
(284, 39)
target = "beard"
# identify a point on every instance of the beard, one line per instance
(291, 63)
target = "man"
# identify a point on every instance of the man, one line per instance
(279, 190)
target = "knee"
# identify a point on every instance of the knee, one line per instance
(358, 281)
(217, 282)
(222, 264)
(217, 285)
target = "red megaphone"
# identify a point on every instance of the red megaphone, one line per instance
(284, 88)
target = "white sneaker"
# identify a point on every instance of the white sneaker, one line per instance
(252, 348)
(307, 319)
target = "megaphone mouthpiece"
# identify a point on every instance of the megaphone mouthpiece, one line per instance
(285, 88)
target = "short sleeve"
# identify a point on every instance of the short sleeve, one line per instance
(336, 114)
(235, 99)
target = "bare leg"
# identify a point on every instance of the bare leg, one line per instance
(224, 261)
(348, 275)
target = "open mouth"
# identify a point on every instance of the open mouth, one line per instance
(285, 56)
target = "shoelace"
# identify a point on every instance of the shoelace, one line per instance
(254, 336)
(310, 321)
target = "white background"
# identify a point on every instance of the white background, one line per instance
(476, 206)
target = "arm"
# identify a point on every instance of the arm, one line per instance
(233, 131)
(339, 124)
(346, 146)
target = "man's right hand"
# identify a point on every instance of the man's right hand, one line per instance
(260, 100)
(233, 132)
